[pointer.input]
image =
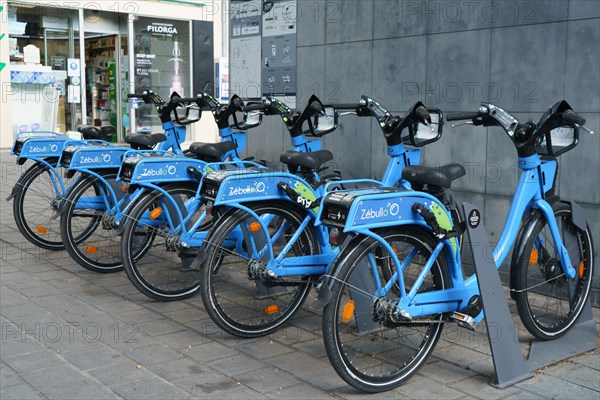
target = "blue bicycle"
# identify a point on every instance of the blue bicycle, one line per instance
(39, 190)
(177, 217)
(93, 206)
(251, 287)
(400, 279)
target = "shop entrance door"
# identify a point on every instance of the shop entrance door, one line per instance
(106, 76)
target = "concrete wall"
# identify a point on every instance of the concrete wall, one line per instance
(523, 56)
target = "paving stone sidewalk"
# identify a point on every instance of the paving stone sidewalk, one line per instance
(68, 333)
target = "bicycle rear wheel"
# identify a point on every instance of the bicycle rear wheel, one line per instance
(87, 228)
(548, 302)
(35, 203)
(237, 294)
(368, 347)
(162, 273)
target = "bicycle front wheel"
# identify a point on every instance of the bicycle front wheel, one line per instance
(548, 302)
(368, 346)
(236, 289)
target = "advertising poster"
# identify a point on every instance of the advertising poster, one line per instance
(162, 63)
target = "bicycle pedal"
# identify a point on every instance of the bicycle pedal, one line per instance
(463, 320)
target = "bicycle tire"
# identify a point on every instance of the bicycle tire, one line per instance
(34, 205)
(548, 303)
(88, 242)
(373, 365)
(158, 274)
(224, 281)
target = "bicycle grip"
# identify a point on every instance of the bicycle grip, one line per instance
(178, 100)
(345, 106)
(255, 107)
(317, 107)
(462, 116)
(422, 114)
(571, 117)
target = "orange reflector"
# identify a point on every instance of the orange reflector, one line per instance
(155, 213)
(254, 227)
(124, 188)
(581, 269)
(348, 311)
(533, 257)
(91, 249)
(41, 229)
(272, 309)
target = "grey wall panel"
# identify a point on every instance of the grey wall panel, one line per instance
(379, 157)
(465, 145)
(311, 75)
(348, 21)
(581, 9)
(458, 67)
(351, 147)
(311, 17)
(579, 168)
(583, 65)
(501, 172)
(269, 140)
(396, 18)
(348, 71)
(528, 66)
(453, 16)
(399, 71)
(496, 210)
(513, 13)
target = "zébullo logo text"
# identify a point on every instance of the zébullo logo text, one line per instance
(95, 159)
(256, 187)
(43, 149)
(391, 209)
(164, 171)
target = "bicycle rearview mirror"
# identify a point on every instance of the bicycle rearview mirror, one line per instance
(249, 119)
(187, 113)
(558, 141)
(325, 123)
(421, 134)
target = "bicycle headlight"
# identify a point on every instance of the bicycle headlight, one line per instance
(127, 168)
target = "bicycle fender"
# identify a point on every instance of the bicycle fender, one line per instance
(326, 282)
(242, 186)
(89, 158)
(33, 169)
(578, 216)
(157, 170)
(518, 255)
(38, 147)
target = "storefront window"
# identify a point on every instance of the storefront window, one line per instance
(41, 42)
(162, 64)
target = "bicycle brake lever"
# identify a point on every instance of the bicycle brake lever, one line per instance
(591, 132)
(462, 123)
(347, 113)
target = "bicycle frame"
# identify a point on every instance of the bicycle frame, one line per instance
(149, 173)
(236, 190)
(536, 179)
